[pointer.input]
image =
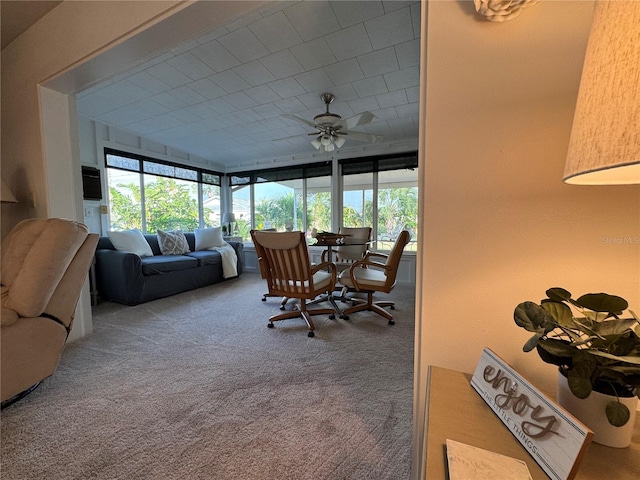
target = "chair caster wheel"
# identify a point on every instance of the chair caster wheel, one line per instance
(332, 317)
(345, 317)
(310, 334)
(392, 307)
(391, 322)
(264, 299)
(282, 307)
(270, 325)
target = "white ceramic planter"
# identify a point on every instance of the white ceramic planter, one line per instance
(591, 412)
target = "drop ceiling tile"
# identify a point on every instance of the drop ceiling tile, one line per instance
(314, 80)
(209, 124)
(169, 101)
(415, 19)
(126, 115)
(268, 110)
(290, 105)
(413, 94)
(148, 82)
(343, 93)
(191, 66)
(155, 124)
(350, 42)
(262, 94)
(350, 13)
(207, 88)
(409, 110)
(367, 104)
(408, 53)
(248, 115)
(212, 35)
(407, 77)
(287, 87)
(152, 106)
(390, 29)
(312, 19)
(386, 113)
(313, 54)
(370, 86)
(254, 73)
(241, 100)
(379, 62)
(244, 21)
(168, 74)
(392, 99)
(220, 106)
(187, 95)
(184, 47)
(229, 81)
(276, 32)
(244, 45)
(344, 72)
(393, 5)
(185, 116)
(282, 64)
(200, 110)
(216, 56)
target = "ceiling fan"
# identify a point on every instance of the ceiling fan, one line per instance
(333, 130)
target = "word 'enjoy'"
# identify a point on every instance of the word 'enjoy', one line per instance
(538, 426)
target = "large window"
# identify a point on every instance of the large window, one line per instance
(381, 192)
(297, 198)
(152, 195)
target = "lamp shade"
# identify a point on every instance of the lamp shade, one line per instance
(7, 194)
(228, 217)
(604, 148)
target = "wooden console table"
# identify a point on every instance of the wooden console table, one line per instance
(456, 411)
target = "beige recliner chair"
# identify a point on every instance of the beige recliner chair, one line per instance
(45, 263)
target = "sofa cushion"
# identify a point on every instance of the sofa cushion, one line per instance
(130, 241)
(206, 257)
(208, 238)
(172, 243)
(167, 263)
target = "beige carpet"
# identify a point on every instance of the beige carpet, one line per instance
(196, 386)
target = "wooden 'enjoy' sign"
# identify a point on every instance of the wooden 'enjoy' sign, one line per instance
(555, 440)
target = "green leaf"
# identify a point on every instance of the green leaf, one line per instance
(617, 413)
(614, 326)
(560, 311)
(532, 342)
(532, 317)
(603, 302)
(579, 377)
(558, 294)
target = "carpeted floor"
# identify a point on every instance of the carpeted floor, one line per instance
(196, 386)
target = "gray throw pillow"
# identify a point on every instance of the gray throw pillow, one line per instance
(172, 243)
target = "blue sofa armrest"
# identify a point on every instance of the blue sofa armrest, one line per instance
(119, 276)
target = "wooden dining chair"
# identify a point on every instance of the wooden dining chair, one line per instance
(375, 273)
(289, 274)
(263, 267)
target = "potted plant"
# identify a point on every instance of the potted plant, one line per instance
(224, 230)
(594, 348)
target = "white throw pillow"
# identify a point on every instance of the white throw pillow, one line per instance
(130, 241)
(172, 243)
(208, 238)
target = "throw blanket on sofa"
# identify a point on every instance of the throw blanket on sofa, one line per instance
(229, 260)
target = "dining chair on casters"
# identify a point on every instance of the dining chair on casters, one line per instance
(345, 255)
(375, 273)
(262, 265)
(289, 274)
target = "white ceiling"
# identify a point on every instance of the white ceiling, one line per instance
(223, 95)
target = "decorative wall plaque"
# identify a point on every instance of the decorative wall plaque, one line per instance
(555, 439)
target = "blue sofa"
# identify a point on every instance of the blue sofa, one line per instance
(129, 279)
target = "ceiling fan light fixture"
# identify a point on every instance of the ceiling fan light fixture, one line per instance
(329, 148)
(325, 140)
(339, 141)
(316, 143)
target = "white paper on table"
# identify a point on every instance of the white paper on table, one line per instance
(467, 462)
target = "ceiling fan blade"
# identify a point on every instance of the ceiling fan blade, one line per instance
(362, 137)
(299, 119)
(294, 136)
(360, 119)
